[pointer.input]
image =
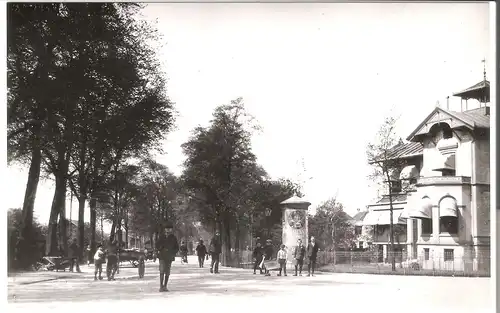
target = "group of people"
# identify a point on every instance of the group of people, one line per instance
(214, 250)
(299, 253)
(111, 255)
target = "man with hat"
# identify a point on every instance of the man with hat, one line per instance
(167, 247)
(215, 249)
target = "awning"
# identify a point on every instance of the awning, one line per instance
(444, 163)
(448, 207)
(423, 209)
(371, 218)
(409, 172)
(385, 217)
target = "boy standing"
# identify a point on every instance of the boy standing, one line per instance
(142, 266)
(282, 259)
(201, 252)
(298, 255)
(99, 258)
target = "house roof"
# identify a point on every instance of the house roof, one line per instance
(405, 150)
(400, 197)
(479, 91)
(295, 200)
(472, 119)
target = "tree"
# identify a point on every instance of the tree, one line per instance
(219, 166)
(385, 167)
(332, 226)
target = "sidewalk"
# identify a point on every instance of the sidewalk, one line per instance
(27, 278)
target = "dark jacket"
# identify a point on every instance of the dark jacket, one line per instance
(268, 251)
(201, 250)
(215, 246)
(299, 252)
(184, 249)
(167, 247)
(73, 250)
(258, 253)
(312, 252)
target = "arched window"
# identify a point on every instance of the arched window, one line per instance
(423, 212)
(448, 216)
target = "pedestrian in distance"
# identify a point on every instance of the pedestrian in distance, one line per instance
(257, 255)
(298, 255)
(90, 256)
(215, 250)
(184, 252)
(112, 256)
(99, 259)
(167, 247)
(142, 266)
(74, 252)
(268, 255)
(312, 253)
(282, 259)
(201, 252)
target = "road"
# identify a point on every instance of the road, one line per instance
(237, 289)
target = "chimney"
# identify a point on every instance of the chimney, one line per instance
(448, 103)
(359, 209)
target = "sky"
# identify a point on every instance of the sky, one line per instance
(318, 78)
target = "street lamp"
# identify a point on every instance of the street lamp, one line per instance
(268, 212)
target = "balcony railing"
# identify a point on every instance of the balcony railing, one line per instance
(443, 180)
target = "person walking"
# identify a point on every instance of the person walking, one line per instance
(184, 252)
(298, 255)
(282, 259)
(215, 250)
(112, 256)
(201, 252)
(258, 253)
(90, 257)
(312, 253)
(74, 252)
(167, 247)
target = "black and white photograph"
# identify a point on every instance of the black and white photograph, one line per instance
(250, 157)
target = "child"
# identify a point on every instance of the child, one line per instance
(282, 259)
(257, 255)
(141, 266)
(99, 259)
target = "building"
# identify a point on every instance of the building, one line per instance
(444, 188)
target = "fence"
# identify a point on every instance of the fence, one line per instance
(370, 262)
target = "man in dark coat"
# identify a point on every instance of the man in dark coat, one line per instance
(167, 247)
(298, 255)
(184, 252)
(74, 252)
(312, 253)
(215, 250)
(112, 264)
(258, 253)
(201, 252)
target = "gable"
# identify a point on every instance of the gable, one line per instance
(439, 115)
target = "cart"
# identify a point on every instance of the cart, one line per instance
(51, 263)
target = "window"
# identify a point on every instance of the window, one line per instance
(426, 254)
(449, 255)
(396, 186)
(426, 226)
(447, 132)
(357, 230)
(448, 224)
(361, 245)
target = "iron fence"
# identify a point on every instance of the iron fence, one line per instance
(370, 262)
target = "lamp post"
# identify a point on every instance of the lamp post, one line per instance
(268, 212)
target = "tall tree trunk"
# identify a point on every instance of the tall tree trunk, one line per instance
(55, 211)
(93, 222)
(27, 239)
(112, 233)
(391, 224)
(126, 232)
(81, 224)
(64, 225)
